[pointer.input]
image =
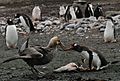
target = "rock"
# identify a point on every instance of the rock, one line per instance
(80, 31)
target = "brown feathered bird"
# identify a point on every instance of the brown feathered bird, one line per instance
(36, 55)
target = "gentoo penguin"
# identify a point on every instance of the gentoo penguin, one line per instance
(109, 33)
(98, 11)
(94, 57)
(89, 10)
(36, 55)
(11, 34)
(26, 22)
(62, 11)
(36, 13)
(78, 12)
(70, 13)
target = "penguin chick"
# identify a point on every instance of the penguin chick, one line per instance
(11, 34)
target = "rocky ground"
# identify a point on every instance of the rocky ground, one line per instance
(19, 71)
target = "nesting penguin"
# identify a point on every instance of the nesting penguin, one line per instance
(26, 22)
(109, 33)
(36, 13)
(11, 34)
(89, 10)
(98, 11)
(36, 55)
(94, 57)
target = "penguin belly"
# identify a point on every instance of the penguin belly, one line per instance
(96, 61)
(72, 12)
(11, 36)
(109, 33)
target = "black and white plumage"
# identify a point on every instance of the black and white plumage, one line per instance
(94, 57)
(109, 33)
(89, 10)
(98, 11)
(36, 13)
(70, 13)
(62, 11)
(78, 12)
(26, 22)
(11, 34)
(36, 55)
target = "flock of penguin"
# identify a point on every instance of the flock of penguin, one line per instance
(37, 55)
(75, 12)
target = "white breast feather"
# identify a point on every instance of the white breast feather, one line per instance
(11, 34)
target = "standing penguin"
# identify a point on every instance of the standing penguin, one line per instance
(109, 33)
(11, 35)
(67, 15)
(62, 11)
(78, 12)
(89, 10)
(72, 12)
(26, 22)
(36, 13)
(98, 11)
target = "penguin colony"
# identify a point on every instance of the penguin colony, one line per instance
(75, 12)
(38, 55)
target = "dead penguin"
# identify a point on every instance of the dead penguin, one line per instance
(11, 34)
(109, 33)
(68, 67)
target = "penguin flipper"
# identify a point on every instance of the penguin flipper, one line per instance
(114, 62)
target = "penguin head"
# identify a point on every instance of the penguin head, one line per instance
(53, 42)
(10, 21)
(16, 18)
(17, 15)
(110, 18)
(73, 46)
(99, 6)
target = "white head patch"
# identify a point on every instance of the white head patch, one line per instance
(75, 44)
